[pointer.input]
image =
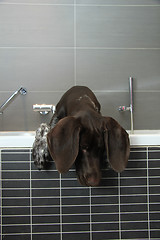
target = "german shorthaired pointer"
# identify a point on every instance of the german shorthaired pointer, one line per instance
(81, 135)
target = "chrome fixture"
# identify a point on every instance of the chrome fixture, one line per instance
(43, 108)
(21, 91)
(130, 108)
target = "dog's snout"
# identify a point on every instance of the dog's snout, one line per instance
(92, 180)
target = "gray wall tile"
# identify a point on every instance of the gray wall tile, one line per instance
(49, 46)
(119, 2)
(36, 69)
(19, 115)
(147, 110)
(118, 27)
(36, 25)
(110, 102)
(108, 69)
(45, 2)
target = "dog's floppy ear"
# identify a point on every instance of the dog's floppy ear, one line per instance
(117, 144)
(63, 143)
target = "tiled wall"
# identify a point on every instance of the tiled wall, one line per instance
(49, 46)
(46, 205)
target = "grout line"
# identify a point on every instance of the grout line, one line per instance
(73, 188)
(96, 92)
(37, 4)
(75, 179)
(148, 201)
(90, 209)
(60, 205)
(84, 196)
(119, 204)
(117, 5)
(127, 169)
(78, 48)
(77, 223)
(83, 214)
(80, 4)
(80, 205)
(81, 232)
(30, 195)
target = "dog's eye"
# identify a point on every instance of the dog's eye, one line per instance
(84, 147)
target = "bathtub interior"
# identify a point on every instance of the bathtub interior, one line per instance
(48, 205)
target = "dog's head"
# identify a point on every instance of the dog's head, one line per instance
(84, 141)
(40, 153)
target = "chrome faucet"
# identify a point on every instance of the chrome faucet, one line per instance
(130, 108)
(21, 91)
(43, 108)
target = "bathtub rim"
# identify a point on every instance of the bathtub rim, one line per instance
(25, 139)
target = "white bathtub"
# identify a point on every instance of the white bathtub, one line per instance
(145, 138)
(25, 139)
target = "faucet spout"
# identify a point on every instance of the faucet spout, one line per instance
(21, 90)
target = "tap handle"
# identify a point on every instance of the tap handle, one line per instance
(124, 108)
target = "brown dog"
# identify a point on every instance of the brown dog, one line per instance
(82, 136)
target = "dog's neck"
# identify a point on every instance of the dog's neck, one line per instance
(87, 97)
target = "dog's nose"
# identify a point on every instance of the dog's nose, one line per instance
(93, 181)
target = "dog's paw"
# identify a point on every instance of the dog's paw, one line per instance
(40, 152)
